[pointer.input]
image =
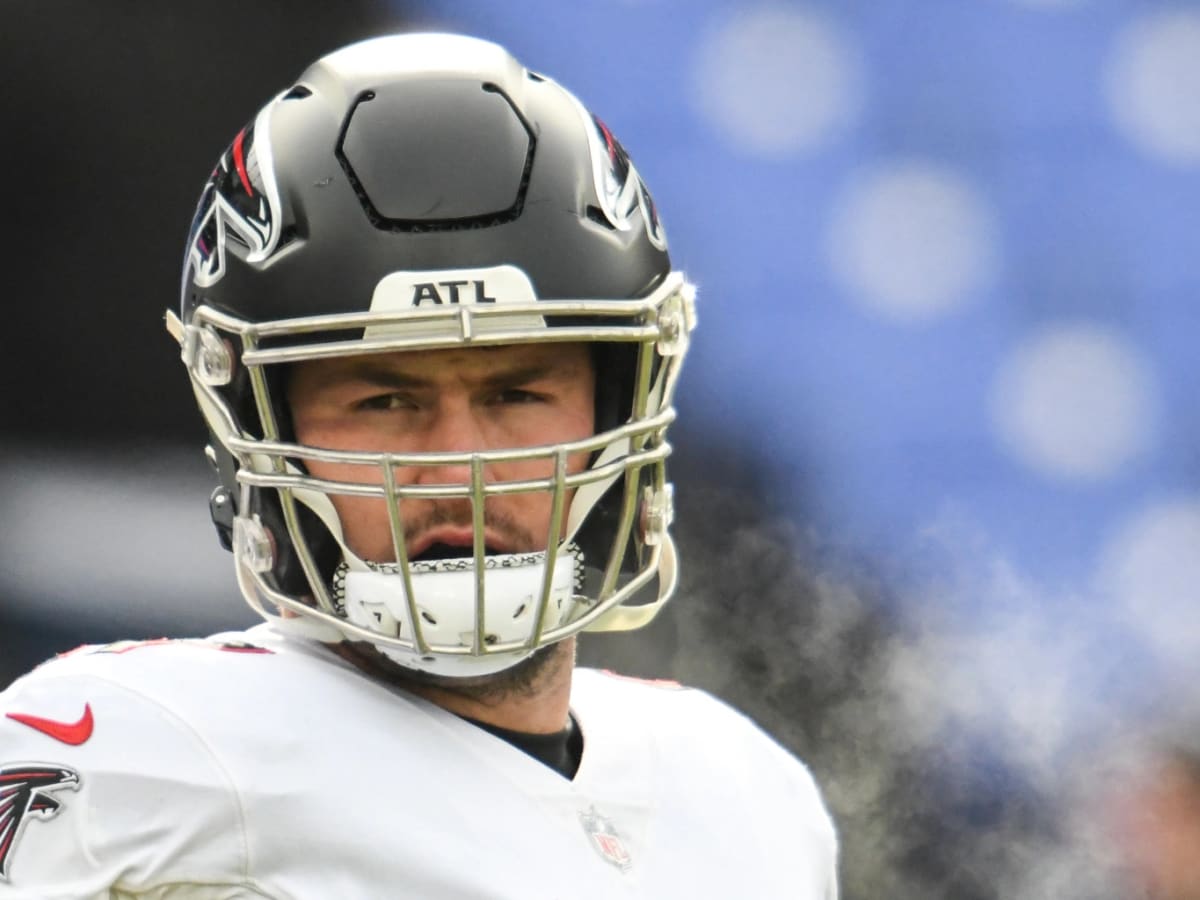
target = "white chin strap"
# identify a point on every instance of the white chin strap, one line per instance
(444, 604)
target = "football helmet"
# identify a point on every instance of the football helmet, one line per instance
(421, 192)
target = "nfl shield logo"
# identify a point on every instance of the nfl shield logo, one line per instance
(605, 839)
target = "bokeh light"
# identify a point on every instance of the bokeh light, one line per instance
(912, 241)
(777, 81)
(1075, 402)
(1153, 85)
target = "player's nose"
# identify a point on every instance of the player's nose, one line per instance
(454, 429)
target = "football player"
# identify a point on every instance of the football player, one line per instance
(431, 323)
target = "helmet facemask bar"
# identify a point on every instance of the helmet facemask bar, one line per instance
(295, 488)
(628, 465)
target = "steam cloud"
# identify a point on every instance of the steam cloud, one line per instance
(973, 731)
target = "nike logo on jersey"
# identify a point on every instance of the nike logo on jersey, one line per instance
(73, 733)
(25, 794)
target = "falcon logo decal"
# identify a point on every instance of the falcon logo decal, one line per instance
(25, 790)
(620, 188)
(240, 203)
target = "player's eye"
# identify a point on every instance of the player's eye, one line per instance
(385, 402)
(516, 397)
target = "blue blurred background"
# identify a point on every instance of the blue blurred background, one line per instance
(947, 250)
(948, 316)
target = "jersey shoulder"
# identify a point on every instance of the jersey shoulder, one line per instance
(106, 701)
(714, 767)
(103, 702)
(166, 671)
(130, 655)
(698, 731)
(673, 707)
(89, 743)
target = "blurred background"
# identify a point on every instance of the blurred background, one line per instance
(938, 465)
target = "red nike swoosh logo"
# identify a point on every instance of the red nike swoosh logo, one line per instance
(73, 733)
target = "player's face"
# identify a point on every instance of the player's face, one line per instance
(458, 400)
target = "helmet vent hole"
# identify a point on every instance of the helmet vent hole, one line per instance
(596, 214)
(428, 618)
(299, 92)
(534, 76)
(520, 611)
(490, 639)
(408, 176)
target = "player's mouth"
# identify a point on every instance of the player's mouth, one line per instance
(451, 544)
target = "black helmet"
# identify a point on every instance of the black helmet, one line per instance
(425, 192)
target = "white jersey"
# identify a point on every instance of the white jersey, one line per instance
(253, 765)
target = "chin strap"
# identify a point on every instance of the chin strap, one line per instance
(293, 624)
(443, 609)
(629, 618)
(588, 495)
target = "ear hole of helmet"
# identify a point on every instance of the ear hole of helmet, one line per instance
(595, 537)
(616, 369)
(288, 572)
